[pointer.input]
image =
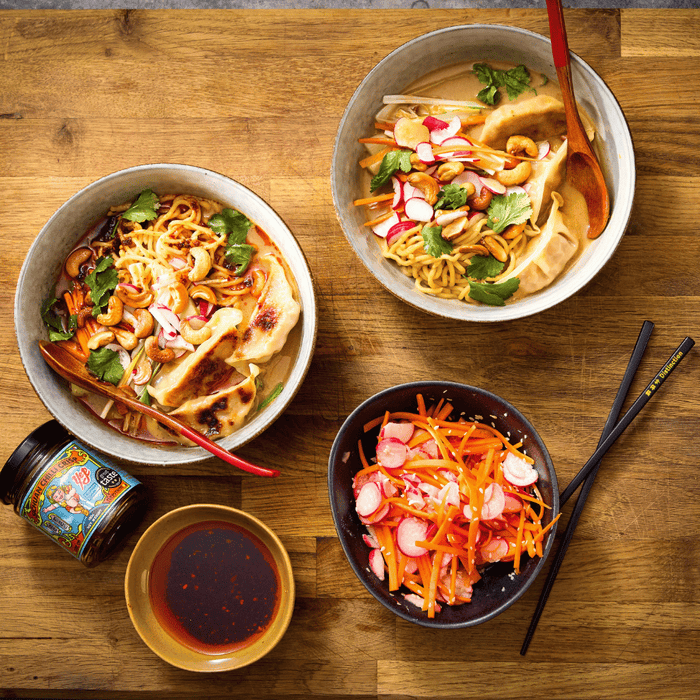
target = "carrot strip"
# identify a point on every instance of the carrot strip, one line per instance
(375, 158)
(519, 542)
(69, 302)
(384, 141)
(421, 404)
(432, 590)
(542, 532)
(373, 200)
(379, 219)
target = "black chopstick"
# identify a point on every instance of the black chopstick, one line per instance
(589, 473)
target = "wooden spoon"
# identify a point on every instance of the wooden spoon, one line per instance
(583, 169)
(75, 371)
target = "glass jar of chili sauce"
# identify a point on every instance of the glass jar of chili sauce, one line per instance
(75, 496)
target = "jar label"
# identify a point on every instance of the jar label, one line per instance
(72, 495)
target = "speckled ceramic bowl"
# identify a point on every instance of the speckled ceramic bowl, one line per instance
(453, 45)
(499, 588)
(139, 600)
(60, 234)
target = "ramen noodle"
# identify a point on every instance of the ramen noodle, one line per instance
(470, 199)
(183, 303)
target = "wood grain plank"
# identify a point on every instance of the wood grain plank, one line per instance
(656, 33)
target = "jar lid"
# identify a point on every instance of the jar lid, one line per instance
(49, 433)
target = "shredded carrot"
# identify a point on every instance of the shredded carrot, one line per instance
(450, 480)
(375, 158)
(372, 200)
(379, 219)
(383, 126)
(383, 141)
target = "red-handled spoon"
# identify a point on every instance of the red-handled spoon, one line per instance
(74, 371)
(583, 169)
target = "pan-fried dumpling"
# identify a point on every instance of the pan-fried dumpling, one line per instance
(216, 415)
(540, 118)
(547, 175)
(275, 314)
(199, 372)
(547, 253)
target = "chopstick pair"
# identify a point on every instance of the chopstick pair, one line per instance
(611, 431)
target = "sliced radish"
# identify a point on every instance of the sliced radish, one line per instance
(493, 186)
(468, 176)
(415, 498)
(494, 500)
(368, 499)
(435, 124)
(518, 471)
(425, 152)
(408, 133)
(382, 229)
(376, 563)
(430, 447)
(449, 494)
(494, 550)
(400, 431)
(418, 209)
(397, 230)
(370, 541)
(457, 141)
(437, 136)
(410, 531)
(391, 453)
(376, 517)
(411, 566)
(206, 308)
(543, 150)
(515, 189)
(409, 192)
(429, 490)
(444, 219)
(398, 192)
(512, 504)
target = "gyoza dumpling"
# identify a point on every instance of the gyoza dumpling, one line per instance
(547, 175)
(547, 253)
(540, 118)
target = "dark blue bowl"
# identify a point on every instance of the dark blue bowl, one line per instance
(499, 588)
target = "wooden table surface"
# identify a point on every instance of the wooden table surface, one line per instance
(257, 95)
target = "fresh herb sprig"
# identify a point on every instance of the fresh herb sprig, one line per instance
(102, 281)
(236, 226)
(516, 81)
(392, 161)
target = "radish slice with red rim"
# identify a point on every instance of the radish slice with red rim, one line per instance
(418, 210)
(518, 471)
(397, 230)
(437, 136)
(391, 453)
(543, 150)
(494, 501)
(368, 499)
(400, 431)
(493, 186)
(435, 124)
(376, 563)
(424, 152)
(410, 531)
(381, 229)
(494, 550)
(398, 192)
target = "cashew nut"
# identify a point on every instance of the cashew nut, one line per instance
(196, 337)
(156, 353)
(519, 145)
(516, 176)
(178, 297)
(448, 171)
(202, 264)
(481, 201)
(144, 323)
(115, 311)
(135, 299)
(476, 249)
(259, 280)
(99, 339)
(513, 231)
(494, 248)
(417, 163)
(76, 259)
(427, 185)
(142, 371)
(200, 291)
(454, 228)
(125, 338)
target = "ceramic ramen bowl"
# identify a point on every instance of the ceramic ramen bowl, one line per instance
(154, 608)
(443, 48)
(499, 587)
(43, 264)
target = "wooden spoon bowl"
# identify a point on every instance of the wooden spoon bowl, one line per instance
(583, 168)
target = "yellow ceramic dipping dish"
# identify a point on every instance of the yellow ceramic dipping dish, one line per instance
(146, 605)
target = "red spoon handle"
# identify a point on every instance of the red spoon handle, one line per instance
(557, 33)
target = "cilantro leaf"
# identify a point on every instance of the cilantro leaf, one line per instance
(392, 161)
(276, 391)
(505, 210)
(103, 280)
(104, 363)
(239, 255)
(54, 322)
(236, 225)
(451, 197)
(493, 294)
(144, 208)
(483, 266)
(516, 81)
(434, 243)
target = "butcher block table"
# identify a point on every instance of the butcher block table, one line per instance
(257, 96)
